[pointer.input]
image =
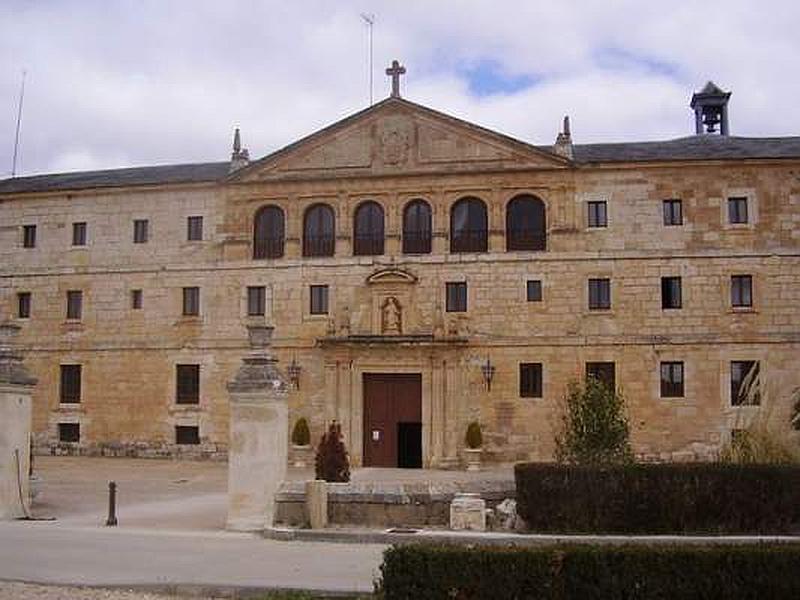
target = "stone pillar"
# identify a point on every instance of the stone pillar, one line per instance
(16, 387)
(259, 425)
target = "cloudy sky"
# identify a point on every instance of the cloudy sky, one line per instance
(114, 83)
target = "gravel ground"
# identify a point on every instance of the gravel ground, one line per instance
(26, 591)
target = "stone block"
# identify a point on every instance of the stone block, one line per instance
(468, 512)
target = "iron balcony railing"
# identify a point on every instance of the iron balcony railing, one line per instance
(318, 245)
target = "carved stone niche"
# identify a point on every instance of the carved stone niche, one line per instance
(392, 293)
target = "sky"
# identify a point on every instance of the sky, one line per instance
(116, 83)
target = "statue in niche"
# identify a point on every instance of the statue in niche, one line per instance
(391, 317)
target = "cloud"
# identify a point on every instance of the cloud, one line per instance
(121, 83)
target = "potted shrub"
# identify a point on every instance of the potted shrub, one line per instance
(332, 463)
(474, 449)
(301, 443)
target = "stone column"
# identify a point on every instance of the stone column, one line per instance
(259, 425)
(16, 387)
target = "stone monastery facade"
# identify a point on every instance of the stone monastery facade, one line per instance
(420, 273)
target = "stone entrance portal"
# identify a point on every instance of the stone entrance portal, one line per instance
(393, 420)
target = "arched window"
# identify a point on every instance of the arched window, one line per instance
(319, 232)
(417, 228)
(468, 226)
(526, 226)
(268, 233)
(368, 229)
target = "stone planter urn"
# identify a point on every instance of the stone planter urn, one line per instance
(302, 456)
(473, 456)
(474, 449)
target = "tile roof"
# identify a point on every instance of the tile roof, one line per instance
(696, 147)
(187, 173)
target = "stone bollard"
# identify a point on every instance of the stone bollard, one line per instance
(259, 424)
(16, 387)
(468, 511)
(317, 503)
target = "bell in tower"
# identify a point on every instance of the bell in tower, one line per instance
(711, 110)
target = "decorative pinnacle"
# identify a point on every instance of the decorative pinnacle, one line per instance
(237, 141)
(566, 125)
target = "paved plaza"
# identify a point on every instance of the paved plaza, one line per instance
(171, 533)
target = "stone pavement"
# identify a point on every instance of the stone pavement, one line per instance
(50, 553)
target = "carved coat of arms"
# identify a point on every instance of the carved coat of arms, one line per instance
(394, 146)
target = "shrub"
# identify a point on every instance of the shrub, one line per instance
(332, 462)
(301, 436)
(594, 425)
(763, 438)
(710, 498)
(607, 572)
(474, 437)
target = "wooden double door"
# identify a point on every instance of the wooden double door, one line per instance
(393, 420)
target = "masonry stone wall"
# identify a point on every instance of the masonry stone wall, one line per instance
(128, 356)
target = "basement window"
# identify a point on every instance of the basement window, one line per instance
(187, 435)
(69, 432)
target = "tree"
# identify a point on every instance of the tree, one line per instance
(332, 462)
(594, 425)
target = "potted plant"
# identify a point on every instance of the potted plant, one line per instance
(474, 449)
(301, 443)
(332, 462)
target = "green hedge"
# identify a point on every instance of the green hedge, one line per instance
(659, 498)
(421, 572)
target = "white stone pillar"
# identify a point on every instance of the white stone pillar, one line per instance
(16, 387)
(259, 424)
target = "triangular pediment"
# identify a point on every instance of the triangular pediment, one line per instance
(398, 136)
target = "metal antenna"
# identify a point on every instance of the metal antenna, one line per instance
(369, 19)
(19, 121)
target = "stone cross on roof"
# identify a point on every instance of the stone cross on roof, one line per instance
(394, 72)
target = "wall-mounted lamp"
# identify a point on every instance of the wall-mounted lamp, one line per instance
(293, 371)
(488, 373)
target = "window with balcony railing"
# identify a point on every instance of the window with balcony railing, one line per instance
(368, 232)
(417, 226)
(319, 233)
(526, 224)
(469, 226)
(268, 233)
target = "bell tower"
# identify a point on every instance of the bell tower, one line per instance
(711, 110)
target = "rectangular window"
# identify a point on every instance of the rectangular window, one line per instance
(136, 299)
(673, 212)
(140, 233)
(256, 301)
(187, 384)
(741, 291)
(456, 300)
(319, 300)
(29, 236)
(530, 380)
(79, 234)
(24, 305)
(737, 210)
(670, 292)
(603, 372)
(599, 294)
(194, 229)
(534, 289)
(74, 304)
(69, 433)
(191, 301)
(745, 383)
(598, 215)
(70, 391)
(672, 380)
(187, 434)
